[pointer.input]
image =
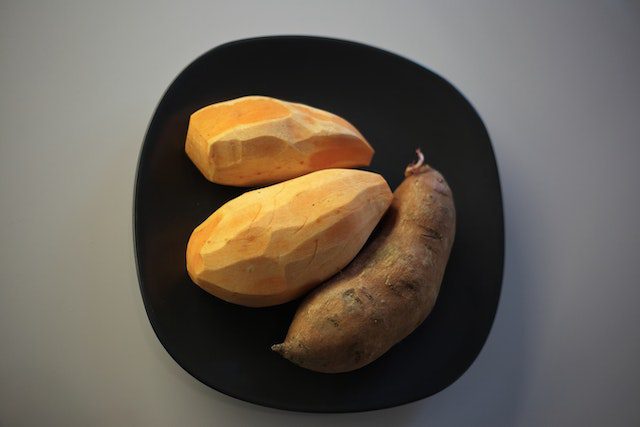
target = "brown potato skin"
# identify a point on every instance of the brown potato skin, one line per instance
(389, 288)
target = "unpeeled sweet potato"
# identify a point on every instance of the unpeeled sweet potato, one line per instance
(271, 245)
(260, 140)
(389, 288)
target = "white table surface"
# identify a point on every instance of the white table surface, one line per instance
(556, 83)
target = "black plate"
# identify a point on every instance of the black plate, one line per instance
(398, 106)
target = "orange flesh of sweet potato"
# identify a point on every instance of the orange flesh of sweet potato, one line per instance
(271, 245)
(260, 140)
(389, 288)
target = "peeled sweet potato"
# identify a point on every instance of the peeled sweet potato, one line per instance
(389, 288)
(260, 140)
(271, 245)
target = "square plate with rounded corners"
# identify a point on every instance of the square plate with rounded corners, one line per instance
(398, 106)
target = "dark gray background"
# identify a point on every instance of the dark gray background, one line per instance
(557, 86)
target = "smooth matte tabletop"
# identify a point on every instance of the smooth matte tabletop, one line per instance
(556, 85)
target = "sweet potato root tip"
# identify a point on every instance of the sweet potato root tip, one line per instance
(415, 167)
